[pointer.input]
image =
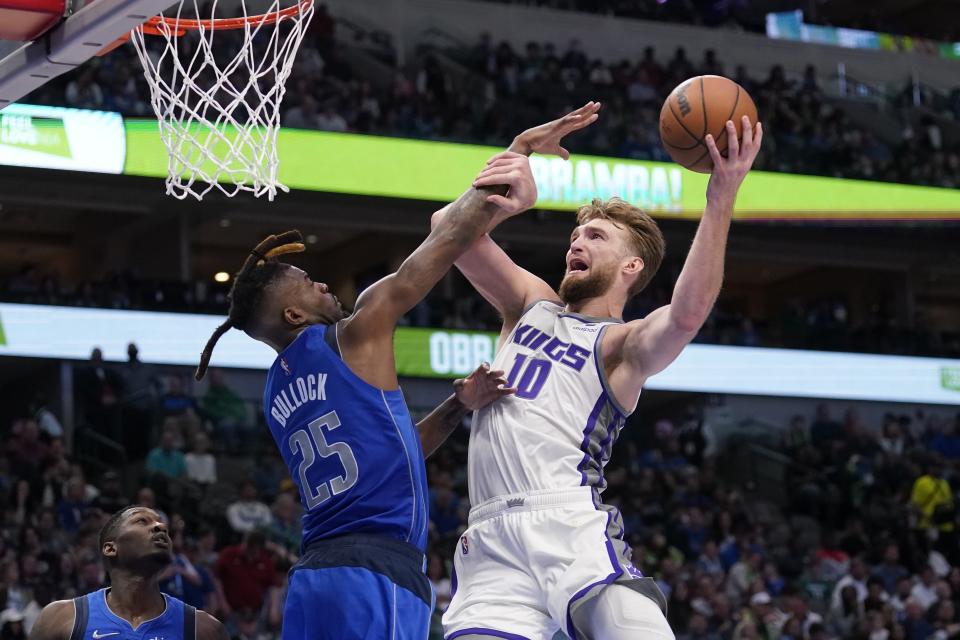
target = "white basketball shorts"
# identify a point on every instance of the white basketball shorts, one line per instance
(526, 560)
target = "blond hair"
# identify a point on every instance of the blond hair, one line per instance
(646, 240)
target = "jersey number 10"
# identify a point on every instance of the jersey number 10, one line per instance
(311, 442)
(534, 375)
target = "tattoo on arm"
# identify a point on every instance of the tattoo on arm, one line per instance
(442, 421)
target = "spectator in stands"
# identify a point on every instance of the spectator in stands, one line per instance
(111, 498)
(90, 573)
(947, 442)
(71, 507)
(901, 596)
(46, 420)
(179, 410)
(54, 540)
(25, 448)
(286, 530)
(98, 388)
(743, 574)
(246, 572)
(856, 578)
(877, 597)
(84, 92)
(709, 561)
(304, 115)
(248, 513)
(710, 64)
(824, 430)
(890, 571)
(147, 498)
(185, 580)
(23, 502)
(16, 595)
(933, 508)
(226, 410)
(915, 623)
(444, 506)
(924, 591)
(11, 625)
(437, 573)
(892, 439)
(329, 119)
(165, 459)
(201, 465)
(139, 401)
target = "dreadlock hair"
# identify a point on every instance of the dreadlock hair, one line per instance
(258, 271)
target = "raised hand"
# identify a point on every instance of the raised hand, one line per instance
(728, 173)
(546, 137)
(481, 387)
(513, 170)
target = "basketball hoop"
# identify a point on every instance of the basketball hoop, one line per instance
(218, 107)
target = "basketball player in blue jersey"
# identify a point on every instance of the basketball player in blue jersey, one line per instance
(334, 407)
(136, 548)
(542, 552)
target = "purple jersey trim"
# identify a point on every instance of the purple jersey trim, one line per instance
(606, 449)
(617, 572)
(610, 551)
(602, 373)
(453, 581)
(587, 430)
(579, 594)
(485, 632)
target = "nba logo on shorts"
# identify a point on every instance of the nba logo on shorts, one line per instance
(464, 545)
(285, 367)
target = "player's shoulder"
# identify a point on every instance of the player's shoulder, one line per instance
(55, 621)
(549, 305)
(209, 628)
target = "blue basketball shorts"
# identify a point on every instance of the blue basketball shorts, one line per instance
(358, 587)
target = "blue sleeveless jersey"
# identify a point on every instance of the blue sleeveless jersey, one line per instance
(95, 621)
(352, 449)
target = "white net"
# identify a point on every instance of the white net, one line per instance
(217, 92)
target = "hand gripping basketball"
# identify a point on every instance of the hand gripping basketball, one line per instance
(728, 173)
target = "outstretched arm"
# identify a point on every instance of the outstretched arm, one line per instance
(366, 337)
(652, 343)
(504, 284)
(477, 390)
(466, 220)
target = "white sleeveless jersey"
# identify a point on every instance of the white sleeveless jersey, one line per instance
(558, 431)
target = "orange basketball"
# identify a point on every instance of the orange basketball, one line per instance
(697, 107)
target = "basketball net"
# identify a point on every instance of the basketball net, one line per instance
(216, 87)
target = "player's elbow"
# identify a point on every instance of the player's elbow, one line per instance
(436, 218)
(689, 321)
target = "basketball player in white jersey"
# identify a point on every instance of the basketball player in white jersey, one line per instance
(542, 552)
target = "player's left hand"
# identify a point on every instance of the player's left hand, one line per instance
(728, 173)
(546, 138)
(513, 170)
(481, 387)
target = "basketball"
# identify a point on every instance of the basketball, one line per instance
(697, 107)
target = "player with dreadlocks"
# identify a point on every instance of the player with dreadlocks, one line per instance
(135, 547)
(334, 407)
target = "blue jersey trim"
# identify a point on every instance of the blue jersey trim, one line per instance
(406, 452)
(109, 612)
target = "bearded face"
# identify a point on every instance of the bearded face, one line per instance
(580, 285)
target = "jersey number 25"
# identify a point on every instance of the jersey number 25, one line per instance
(311, 442)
